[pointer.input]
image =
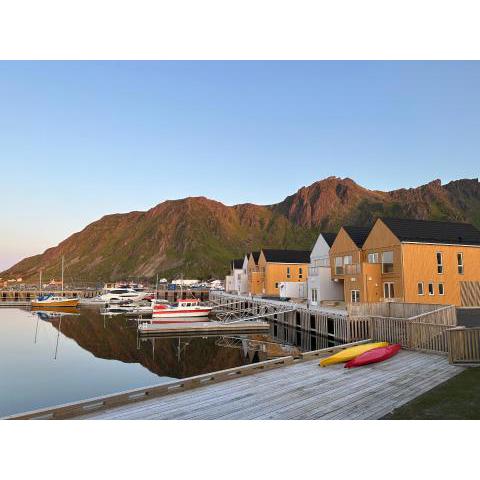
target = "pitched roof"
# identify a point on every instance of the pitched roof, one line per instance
(256, 256)
(237, 263)
(427, 231)
(329, 237)
(358, 234)
(287, 256)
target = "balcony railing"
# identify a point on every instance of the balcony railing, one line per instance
(350, 269)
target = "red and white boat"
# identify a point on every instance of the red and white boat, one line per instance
(186, 310)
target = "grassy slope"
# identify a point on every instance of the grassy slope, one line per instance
(456, 399)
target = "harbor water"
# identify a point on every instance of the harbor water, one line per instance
(52, 358)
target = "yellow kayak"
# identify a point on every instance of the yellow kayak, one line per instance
(350, 353)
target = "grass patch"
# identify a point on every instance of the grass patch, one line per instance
(456, 399)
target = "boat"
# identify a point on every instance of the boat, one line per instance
(119, 295)
(350, 353)
(375, 355)
(186, 310)
(51, 300)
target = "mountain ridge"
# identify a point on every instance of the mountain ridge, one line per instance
(197, 236)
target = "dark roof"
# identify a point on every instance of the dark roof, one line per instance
(256, 256)
(237, 263)
(358, 234)
(426, 231)
(329, 238)
(287, 256)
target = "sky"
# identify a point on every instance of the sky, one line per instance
(79, 140)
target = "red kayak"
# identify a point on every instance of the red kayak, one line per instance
(373, 356)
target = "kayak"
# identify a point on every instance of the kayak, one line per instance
(375, 355)
(350, 353)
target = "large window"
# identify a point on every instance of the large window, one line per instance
(288, 272)
(338, 265)
(374, 257)
(300, 272)
(355, 296)
(314, 295)
(441, 289)
(439, 262)
(430, 289)
(388, 290)
(420, 288)
(460, 262)
(387, 262)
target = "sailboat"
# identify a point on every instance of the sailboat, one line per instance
(52, 300)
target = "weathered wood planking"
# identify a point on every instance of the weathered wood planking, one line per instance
(301, 391)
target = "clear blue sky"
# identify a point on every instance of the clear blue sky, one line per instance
(79, 140)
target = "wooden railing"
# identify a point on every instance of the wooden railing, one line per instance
(429, 313)
(463, 345)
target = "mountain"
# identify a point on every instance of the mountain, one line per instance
(197, 236)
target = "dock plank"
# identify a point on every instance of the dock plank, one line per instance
(301, 390)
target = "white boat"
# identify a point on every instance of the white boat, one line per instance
(187, 310)
(116, 295)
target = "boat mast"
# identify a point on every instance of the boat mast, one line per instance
(40, 282)
(156, 288)
(63, 259)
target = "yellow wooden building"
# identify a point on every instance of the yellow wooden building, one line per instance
(413, 261)
(276, 266)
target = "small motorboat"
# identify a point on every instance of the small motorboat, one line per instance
(54, 301)
(186, 310)
(375, 355)
(350, 353)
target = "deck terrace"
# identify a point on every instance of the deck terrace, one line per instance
(301, 390)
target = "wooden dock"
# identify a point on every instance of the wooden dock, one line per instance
(196, 328)
(283, 388)
(302, 391)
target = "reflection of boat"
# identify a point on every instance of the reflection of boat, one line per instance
(187, 310)
(48, 315)
(55, 309)
(51, 300)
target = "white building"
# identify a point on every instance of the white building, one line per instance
(320, 283)
(237, 282)
(293, 290)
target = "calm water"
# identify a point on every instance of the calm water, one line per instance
(47, 361)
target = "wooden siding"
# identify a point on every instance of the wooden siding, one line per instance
(470, 294)
(420, 265)
(380, 240)
(275, 273)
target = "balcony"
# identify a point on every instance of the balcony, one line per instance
(349, 269)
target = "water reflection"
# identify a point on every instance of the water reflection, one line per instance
(53, 356)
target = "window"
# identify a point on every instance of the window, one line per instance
(388, 290)
(387, 262)
(355, 296)
(420, 288)
(300, 272)
(374, 257)
(338, 265)
(276, 284)
(460, 263)
(314, 295)
(439, 262)
(441, 289)
(288, 272)
(347, 260)
(430, 289)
